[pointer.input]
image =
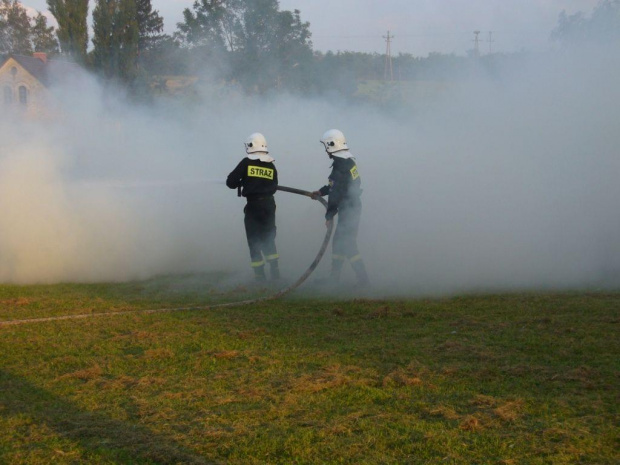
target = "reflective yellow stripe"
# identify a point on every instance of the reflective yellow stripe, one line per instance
(356, 258)
(338, 257)
(275, 256)
(257, 264)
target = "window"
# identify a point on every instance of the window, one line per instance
(8, 95)
(23, 95)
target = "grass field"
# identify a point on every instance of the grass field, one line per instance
(505, 379)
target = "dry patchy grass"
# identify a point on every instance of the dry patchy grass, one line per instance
(491, 379)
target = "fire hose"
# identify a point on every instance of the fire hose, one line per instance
(277, 295)
(319, 256)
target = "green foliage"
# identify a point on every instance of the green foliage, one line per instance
(22, 35)
(103, 37)
(210, 26)
(71, 16)
(601, 27)
(127, 37)
(115, 39)
(15, 28)
(164, 56)
(528, 378)
(43, 37)
(273, 47)
(150, 25)
(158, 53)
(250, 41)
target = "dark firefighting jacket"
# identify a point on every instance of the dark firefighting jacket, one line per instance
(344, 187)
(257, 178)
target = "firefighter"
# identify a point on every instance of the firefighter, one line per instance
(256, 179)
(344, 191)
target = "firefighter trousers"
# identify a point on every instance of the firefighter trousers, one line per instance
(344, 244)
(260, 230)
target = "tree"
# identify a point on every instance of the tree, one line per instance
(150, 25)
(262, 47)
(43, 37)
(71, 16)
(601, 27)
(15, 28)
(21, 34)
(166, 56)
(153, 45)
(103, 30)
(115, 39)
(275, 42)
(210, 25)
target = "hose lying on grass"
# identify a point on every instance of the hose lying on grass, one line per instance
(277, 295)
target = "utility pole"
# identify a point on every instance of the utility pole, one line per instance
(491, 42)
(476, 44)
(388, 58)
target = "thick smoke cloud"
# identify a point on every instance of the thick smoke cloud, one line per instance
(505, 182)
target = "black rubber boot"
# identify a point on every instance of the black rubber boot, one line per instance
(274, 270)
(259, 273)
(360, 273)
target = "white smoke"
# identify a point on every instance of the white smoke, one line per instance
(504, 182)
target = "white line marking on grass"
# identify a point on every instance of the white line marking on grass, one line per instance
(130, 312)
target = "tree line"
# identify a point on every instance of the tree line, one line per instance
(251, 43)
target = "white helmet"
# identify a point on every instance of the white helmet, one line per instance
(256, 143)
(334, 141)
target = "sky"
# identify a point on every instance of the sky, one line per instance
(419, 26)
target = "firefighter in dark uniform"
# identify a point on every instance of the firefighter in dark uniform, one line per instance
(344, 191)
(256, 178)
